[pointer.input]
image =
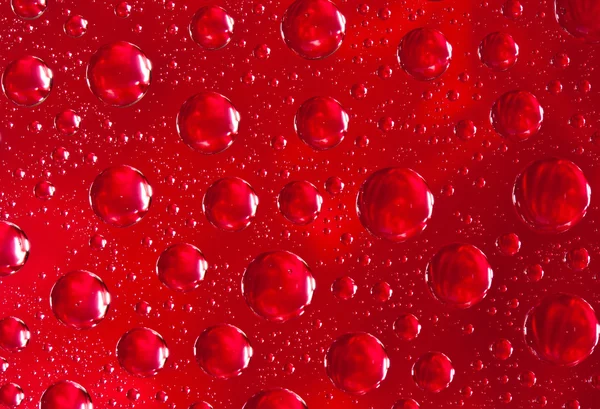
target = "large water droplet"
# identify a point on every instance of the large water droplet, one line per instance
(211, 27)
(66, 395)
(14, 334)
(181, 267)
(29, 9)
(275, 399)
(580, 18)
(223, 351)
(498, 51)
(230, 204)
(300, 202)
(27, 81)
(433, 372)
(424, 53)
(321, 123)
(517, 115)
(142, 352)
(14, 248)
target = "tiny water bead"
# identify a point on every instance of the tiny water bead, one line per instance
(580, 18)
(11, 395)
(121, 196)
(300, 202)
(313, 29)
(278, 286)
(321, 123)
(142, 352)
(275, 399)
(67, 122)
(459, 275)
(119, 74)
(433, 372)
(230, 204)
(14, 334)
(27, 81)
(406, 404)
(208, 123)
(357, 363)
(14, 248)
(29, 9)
(498, 51)
(407, 327)
(181, 267)
(211, 27)
(517, 115)
(66, 395)
(551, 195)
(80, 299)
(223, 351)
(395, 204)
(424, 53)
(344, 288)
(562, 329)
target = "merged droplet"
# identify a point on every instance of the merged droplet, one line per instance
(14, 248)
(278, 285)
(29, 9)
(230, 204)
(313, 29)
(208, 123)
(517, 115)
(181, 267)
(433, 372)
(321, 123)
(300, 202)
(80, 299)
(424, 53)
(211, 27)
(562, 329)
(407, 327)
(121, 196)
(27, 81)
(66, 395)
(119, 74)
(459, 275)
(551, 195)
(223, 351)
(357, 363)
(580, 18)
(11, 395)
(14, 334)
(275, 399)
(498, 51)
(395, 204)
(142, 352)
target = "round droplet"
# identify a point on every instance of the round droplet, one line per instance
(67, 122)
(344, 288)
(208, 123)
(80, 299)
(407, 327)
(29, 9)
(119, 74)
(498, 51)
(395, 204)
(300, 202)
(142, 352)
(121, 196)
(551, 195)
(211, 27)
(517, 115)
(562, 329)
(580, 18)
(406, 404)
(230, 204)
(66, 395)
(76, 26)
(181, 267)
(27, 81)
(321, 123)
(357, 363)
(11, 395)
(424, 53)
(278, 286)
(433, 372)
(313, 29)
(275, 399)
(14, 248)
(14, 334)
(459, 275)
(223, 351)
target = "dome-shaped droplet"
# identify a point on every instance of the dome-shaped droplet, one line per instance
(181, 267)
(498, 51)
(230, 204)
(14, 334)
(223, 351)
(433, 372)
(27, 81)
(208, 123)
(211, 27)
(66, 395)
(357, 363)
(395, 204)
(119, 74)
(121, 196)
(275, 399)
(300, 202)
(321, 123)
(551, 195)
(424, 53)
(14, 248)
(278, 285)
(313, 29)
(517, 115)
(580, 18)
(142, 352)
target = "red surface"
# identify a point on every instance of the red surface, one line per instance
(395, 120)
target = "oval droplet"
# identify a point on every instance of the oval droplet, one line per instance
(275, 399)
(66, 395)
(517, 115)
(181, 267)
(424, 53)
(14, 334)
(498, 51)
(300, 202)
(321, 123)
(27, 81)
(211, 27)
(223, 351)
(142, 352)
(433, 372)
(230, 204)
(14, 248)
